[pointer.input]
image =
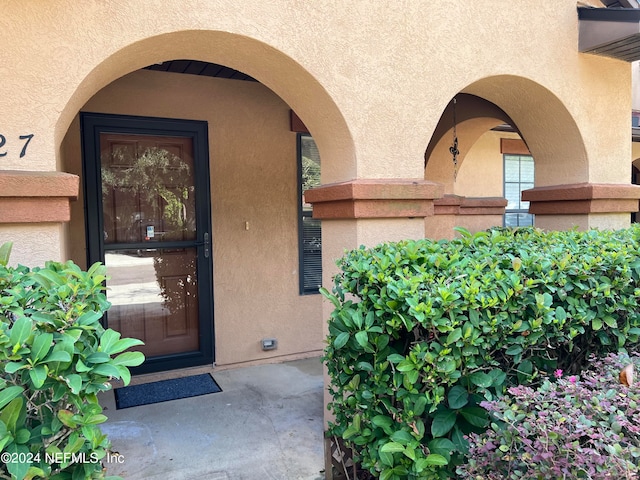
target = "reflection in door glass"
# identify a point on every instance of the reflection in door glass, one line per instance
(148, 192)
(153, 294)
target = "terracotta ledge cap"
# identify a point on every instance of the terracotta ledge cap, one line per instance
(582, 198)
(484, 202)
(376, 189)
(457, 205)
(581, 191)
(374, 198)
(36, 197)
(449, 200)
(18, 183)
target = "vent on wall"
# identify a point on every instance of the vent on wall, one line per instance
(269, 343)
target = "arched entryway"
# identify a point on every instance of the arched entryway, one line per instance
(252, 176)
(494, 117)
(247, 102)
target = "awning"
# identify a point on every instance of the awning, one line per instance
(610, 32)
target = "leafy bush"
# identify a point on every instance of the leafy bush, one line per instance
(424, 331)
(55, 357)
(587, 427)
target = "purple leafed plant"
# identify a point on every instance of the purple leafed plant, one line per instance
(567, 428)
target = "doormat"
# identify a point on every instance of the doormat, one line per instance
(165, 390)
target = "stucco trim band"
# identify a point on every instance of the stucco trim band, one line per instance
(514, 146)
(375, 198)
(35, 197)
(582, 198)
(459, 205)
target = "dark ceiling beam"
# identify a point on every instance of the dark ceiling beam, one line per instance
(196, 67)
(610, 32)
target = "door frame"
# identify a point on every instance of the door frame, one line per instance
(92, 125)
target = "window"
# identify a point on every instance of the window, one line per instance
(635, 180)
(518, 176)
(310, 235)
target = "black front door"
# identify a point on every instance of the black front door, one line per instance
(148, 219)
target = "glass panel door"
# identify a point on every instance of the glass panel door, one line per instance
(148, 199)
(153, 236)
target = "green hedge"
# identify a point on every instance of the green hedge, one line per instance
(423, 331)
(55, 357)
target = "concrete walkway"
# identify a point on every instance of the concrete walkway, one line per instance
(266, 424)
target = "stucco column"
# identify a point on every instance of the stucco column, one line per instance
(366, 212)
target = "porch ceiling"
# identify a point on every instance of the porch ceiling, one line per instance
(610, 32)
(196, 67)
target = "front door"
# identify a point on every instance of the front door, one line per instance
(148, 219)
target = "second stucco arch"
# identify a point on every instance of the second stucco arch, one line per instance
(540, 117)
(545, 124)
(532, 113)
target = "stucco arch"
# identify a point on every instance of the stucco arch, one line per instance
(473, 117)
(276, 70)
(545, 124)
(538, 115)
(116, 84)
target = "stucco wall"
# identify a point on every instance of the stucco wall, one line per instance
(482, 172)
(49, 244)
(371, 86)
(330, 68)
(253, 179)
(635, 81)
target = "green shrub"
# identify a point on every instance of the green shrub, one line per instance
(424, 331)
(55, 357)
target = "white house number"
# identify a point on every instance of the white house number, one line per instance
(25, 139)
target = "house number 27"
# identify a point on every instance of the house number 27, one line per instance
(25, 138)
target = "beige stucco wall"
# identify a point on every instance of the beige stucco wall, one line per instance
(34, 244)
(335, 73)
(371, 86)
(442, 227)
(481, 174)
(253, 179)
(635, 81)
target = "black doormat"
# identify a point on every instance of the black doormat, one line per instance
(164, 390)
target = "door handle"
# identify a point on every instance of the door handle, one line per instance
(206, 245)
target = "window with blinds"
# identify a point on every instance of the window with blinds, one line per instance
(518, 176)
(310, 234)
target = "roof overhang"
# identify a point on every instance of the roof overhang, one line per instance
(610, 32)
